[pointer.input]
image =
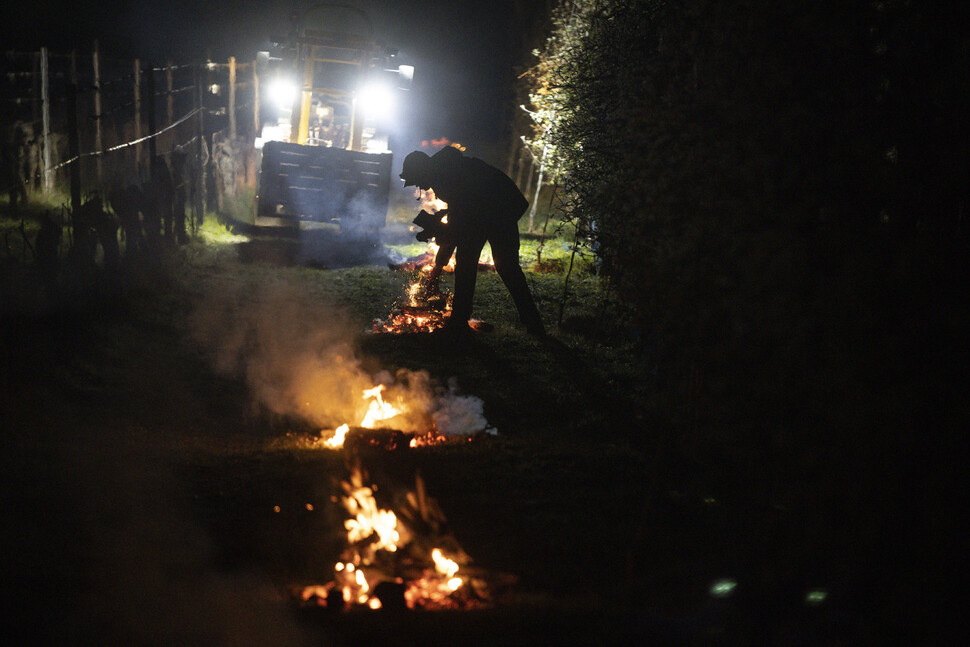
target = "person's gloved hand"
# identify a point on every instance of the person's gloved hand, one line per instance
(432, 227)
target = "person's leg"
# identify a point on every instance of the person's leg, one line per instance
(505, 253)
(466, 273)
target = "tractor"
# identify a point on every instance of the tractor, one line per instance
(325, 158)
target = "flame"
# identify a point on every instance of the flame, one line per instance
(435, 587)
(429, 201)
(440, 142)
(378, 410)
(414, 294)
(339, 434)
(376, 553)
(443, 565)
(369, 523)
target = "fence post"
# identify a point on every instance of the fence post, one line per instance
(45, 98)
(232, 97)
(35, 90)
(74, 149)
(252, 156)
(137, 72)
(256, 132)
(98, 144)
(152, 146)
(198, 204)
(169, 108)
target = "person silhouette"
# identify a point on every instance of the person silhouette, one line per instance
(484, 205)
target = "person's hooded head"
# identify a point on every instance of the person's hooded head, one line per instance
(417, 170)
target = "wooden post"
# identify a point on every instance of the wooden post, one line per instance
(35, 89)
(152, 145)
(74, 149)
(169, 102)
(253, 157)
(45, 98)
(232, 97)
(256, 124)
(137, 72)
(198, 204)
(98, 144)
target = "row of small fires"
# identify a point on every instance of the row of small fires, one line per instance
(404, 559)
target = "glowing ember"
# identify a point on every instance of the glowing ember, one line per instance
(426, 440)
(422, 311)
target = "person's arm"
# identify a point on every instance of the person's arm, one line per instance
(441, 259)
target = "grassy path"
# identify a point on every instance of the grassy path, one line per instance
(139, 483)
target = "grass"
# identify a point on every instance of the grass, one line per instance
(144, 482)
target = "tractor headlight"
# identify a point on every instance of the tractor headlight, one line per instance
(282, 92)
(377, 100)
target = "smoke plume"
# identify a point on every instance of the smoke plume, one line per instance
(299, 358)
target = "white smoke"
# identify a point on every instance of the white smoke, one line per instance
(460, 414)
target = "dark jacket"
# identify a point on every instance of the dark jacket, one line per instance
(476, 190)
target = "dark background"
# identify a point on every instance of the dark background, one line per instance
(465, 54)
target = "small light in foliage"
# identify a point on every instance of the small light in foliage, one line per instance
(723, 588)
(816, 597)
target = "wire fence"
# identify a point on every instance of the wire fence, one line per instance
(85, 122)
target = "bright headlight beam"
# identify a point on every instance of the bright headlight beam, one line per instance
(282, 92)
(377, 100)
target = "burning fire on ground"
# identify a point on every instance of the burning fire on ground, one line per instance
(373, 429)
(396, 561)
(403, 558)
(425, 307)
(426, 419)
(422, 310)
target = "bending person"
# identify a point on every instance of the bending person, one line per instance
(484, 205)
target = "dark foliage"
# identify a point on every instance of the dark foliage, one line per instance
(777, 189)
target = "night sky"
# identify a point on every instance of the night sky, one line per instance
(463, 53)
